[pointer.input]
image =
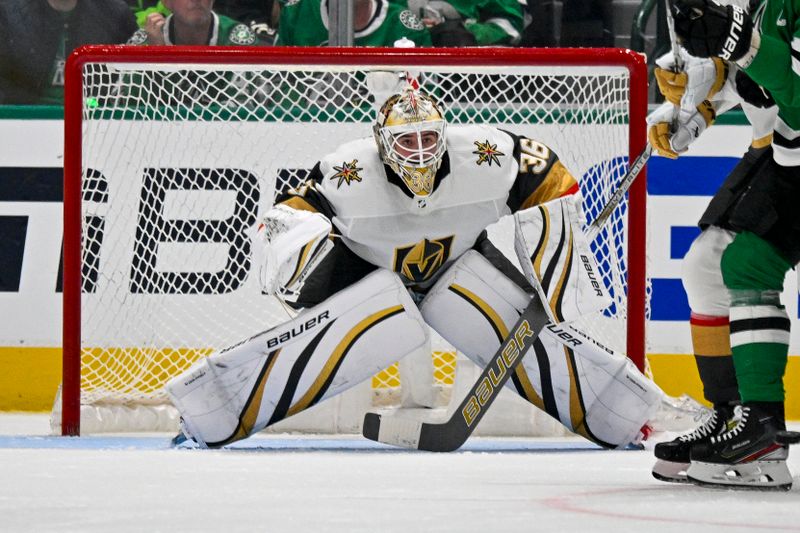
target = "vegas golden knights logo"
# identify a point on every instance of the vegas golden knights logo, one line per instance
(420, 261)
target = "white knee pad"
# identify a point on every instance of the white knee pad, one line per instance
(473, 305)
(701, 273)
(322, 352)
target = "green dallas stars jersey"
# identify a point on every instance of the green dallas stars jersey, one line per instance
(305, 23)
(776, 67)
(224, 32)
(491, 21)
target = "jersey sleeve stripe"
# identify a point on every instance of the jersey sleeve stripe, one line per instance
(296, 202)
(558, 182)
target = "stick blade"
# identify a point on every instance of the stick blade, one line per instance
(394, 430)
(371, 426)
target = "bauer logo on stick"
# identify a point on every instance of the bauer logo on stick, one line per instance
(484, 392)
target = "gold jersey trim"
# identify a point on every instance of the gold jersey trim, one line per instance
(556, 184)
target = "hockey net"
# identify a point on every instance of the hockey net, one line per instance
(172, 155)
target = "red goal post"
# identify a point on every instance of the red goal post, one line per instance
(96, 90)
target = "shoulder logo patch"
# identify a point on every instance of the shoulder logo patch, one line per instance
(241, 34)
(347, 172)
(487, 153)
(411, 21)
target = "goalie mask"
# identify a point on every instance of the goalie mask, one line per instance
(410, 136)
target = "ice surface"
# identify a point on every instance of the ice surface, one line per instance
(314, 484)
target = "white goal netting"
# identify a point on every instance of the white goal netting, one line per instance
(179, 160)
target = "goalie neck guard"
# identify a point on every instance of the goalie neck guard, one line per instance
(410, 133)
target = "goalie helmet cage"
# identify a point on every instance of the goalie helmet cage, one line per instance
(160, 121)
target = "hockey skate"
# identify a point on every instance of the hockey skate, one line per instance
(747, 456)
(672, 458)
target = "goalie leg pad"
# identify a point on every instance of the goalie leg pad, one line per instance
(322, 352)
(599, 393)
(590, 389)
(557, 261)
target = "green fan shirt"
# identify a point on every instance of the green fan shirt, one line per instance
(305, 23)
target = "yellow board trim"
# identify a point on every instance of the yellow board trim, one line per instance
(29, 378)
(677, 375)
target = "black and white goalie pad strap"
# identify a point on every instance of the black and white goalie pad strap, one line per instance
(277, 373)
(557, 261)
(288, 244)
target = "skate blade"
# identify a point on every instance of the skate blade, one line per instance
(670, 472)
(756, 475)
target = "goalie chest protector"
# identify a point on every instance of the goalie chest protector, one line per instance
(415, 237)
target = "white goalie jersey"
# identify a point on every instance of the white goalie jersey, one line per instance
(486, 173)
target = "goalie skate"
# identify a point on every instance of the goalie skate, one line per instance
(748, 456)
(672, 458)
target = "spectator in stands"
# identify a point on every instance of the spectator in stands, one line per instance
(40, 34)
(490, 22)
(192, 22)
(258, 14)
(375, 23)
(587, 23)
(539, 31)
(584, 23)
(142, 8)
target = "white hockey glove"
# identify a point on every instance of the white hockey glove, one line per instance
(689, 126)
(701, 79)
(288, 244)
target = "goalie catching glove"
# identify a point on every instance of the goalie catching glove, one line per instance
(288, 244)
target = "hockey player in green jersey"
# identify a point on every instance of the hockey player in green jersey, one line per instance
(375, 23)
(765, 43)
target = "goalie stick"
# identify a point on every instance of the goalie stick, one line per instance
(452, 433)
(625, 184)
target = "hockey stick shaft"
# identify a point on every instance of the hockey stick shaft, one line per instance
(625, 184)
(452, 433)
(673, 40)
